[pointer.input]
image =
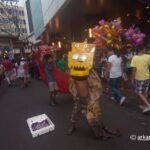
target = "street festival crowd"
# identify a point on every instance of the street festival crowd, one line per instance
(117, 70)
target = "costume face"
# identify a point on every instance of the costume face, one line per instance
(80, 59)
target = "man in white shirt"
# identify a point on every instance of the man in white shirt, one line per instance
(115, 75)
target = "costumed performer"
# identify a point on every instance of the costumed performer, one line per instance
(86, 89)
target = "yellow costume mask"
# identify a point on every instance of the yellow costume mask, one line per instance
(80, 59)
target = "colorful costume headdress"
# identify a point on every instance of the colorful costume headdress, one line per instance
(80, 59)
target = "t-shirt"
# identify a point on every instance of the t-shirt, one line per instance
(141, 63)
(62, 65)
(115, 70)
(21, 67)
(8, 65)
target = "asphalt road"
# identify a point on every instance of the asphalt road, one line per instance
(16, 105)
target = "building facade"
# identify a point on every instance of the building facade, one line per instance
(64, 21)
(13, 31)
(46, 11)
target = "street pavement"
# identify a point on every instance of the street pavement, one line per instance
(17, 104)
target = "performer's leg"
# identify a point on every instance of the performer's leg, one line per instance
(56, 90)
(93, 116)
(7, 76)
(25, 80)
(75, 116)
(52, 100)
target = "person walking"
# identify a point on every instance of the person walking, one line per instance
(21, 71)
(8, 69)
(141, 77)
(114, 70)
(48, 63)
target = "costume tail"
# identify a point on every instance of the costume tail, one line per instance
(116, 133)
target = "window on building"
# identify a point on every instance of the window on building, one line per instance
(22, 13)
(24, 22)
(2, 11)
(9, 11)
(21, 30)
(11, 30)
(6, 21)
(3, 20)
(25, 30)
(19, 12)
(19, 21)
(17, 30)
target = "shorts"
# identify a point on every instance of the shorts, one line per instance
(142, 86)
(52, 86)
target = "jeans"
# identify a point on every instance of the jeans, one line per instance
(115, 83)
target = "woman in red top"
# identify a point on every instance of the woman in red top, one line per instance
(8, 70)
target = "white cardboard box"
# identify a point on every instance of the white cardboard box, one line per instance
(37, 119)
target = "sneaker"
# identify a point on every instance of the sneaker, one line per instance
(122, 100)
(9, 84)
(51, 103)
(146, 109)
(112, 98)
(142, 107)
